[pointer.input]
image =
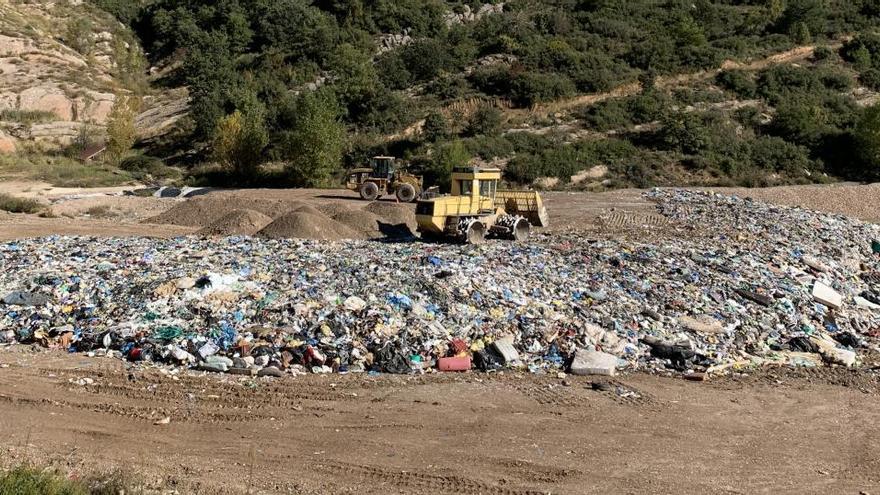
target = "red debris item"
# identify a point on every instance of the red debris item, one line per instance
(313, 357)
(244, 347)
(459, 346)
(455, 363)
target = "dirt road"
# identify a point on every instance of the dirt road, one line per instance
(469, 433)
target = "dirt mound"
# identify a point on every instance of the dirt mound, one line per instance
(237, 222)
(306, 225)
(311, 210)
(205, 211)
(231, 214)
(393, 213)
(360, 221)
(333, 209)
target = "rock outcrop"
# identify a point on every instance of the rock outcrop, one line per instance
(50, 88)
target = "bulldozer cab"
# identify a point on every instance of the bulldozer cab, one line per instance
(383, 167)
(478, 184)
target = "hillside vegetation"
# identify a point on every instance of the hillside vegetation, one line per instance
(641, 92)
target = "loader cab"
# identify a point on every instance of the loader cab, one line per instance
(383, 167)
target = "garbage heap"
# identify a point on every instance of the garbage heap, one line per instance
(737, 283)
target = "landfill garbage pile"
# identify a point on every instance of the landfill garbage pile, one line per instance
(741, 283)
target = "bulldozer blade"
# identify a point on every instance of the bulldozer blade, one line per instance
(527, 204)
(537, 218)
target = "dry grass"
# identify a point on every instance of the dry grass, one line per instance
(61, 171)
(13, 204)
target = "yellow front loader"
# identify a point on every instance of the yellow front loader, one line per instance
(476, 209)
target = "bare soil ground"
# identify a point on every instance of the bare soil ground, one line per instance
(774, 431)
(454, 433)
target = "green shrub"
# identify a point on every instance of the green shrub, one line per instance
(486, 120)
(608, 115)
(445, 157)
(835, 80)
(436, 127)
(393, 71)
(447, 87)
(490, 147)
(737, 81)
(523, 169)
(528, 142)
(639, 175)
(14, 204)
(777, 84)
(139, 163)
(531, 88)
(684, 132)
(871, 79)
(863, 51)
(80, 34)
(143, 165)
(801, 121)
(777, 155)
(867, 140)
(124, 10)
(595, 72)
(823, 54)
(425, 59)
(30, 481)
(749, 116)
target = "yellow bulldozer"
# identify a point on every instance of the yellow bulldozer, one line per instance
(384, 177)
(477, 209)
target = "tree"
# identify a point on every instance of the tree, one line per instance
(239, 140)
(684, 132)
(811, 14)
(121, 131)
(297, 29)
(425, 59)
(772, 153)
(867, 140)
(313, 149)
(871, 79)
(436, 127)
(211, 76)
(356, 81)
(802, 121)
(486, 120)
(446, 157)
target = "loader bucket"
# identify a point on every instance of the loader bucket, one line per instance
(527, 204)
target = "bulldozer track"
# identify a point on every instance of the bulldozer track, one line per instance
(413, 480)
(625, 220)
(546, 394)
(531, 471)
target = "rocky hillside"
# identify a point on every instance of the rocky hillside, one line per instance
(62, 64)
(564, 93)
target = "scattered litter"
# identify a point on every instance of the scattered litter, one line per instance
(745, 284)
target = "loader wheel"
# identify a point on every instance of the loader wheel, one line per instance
(406, 193)
(369, 191)
(476, 233)
(521, 230)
